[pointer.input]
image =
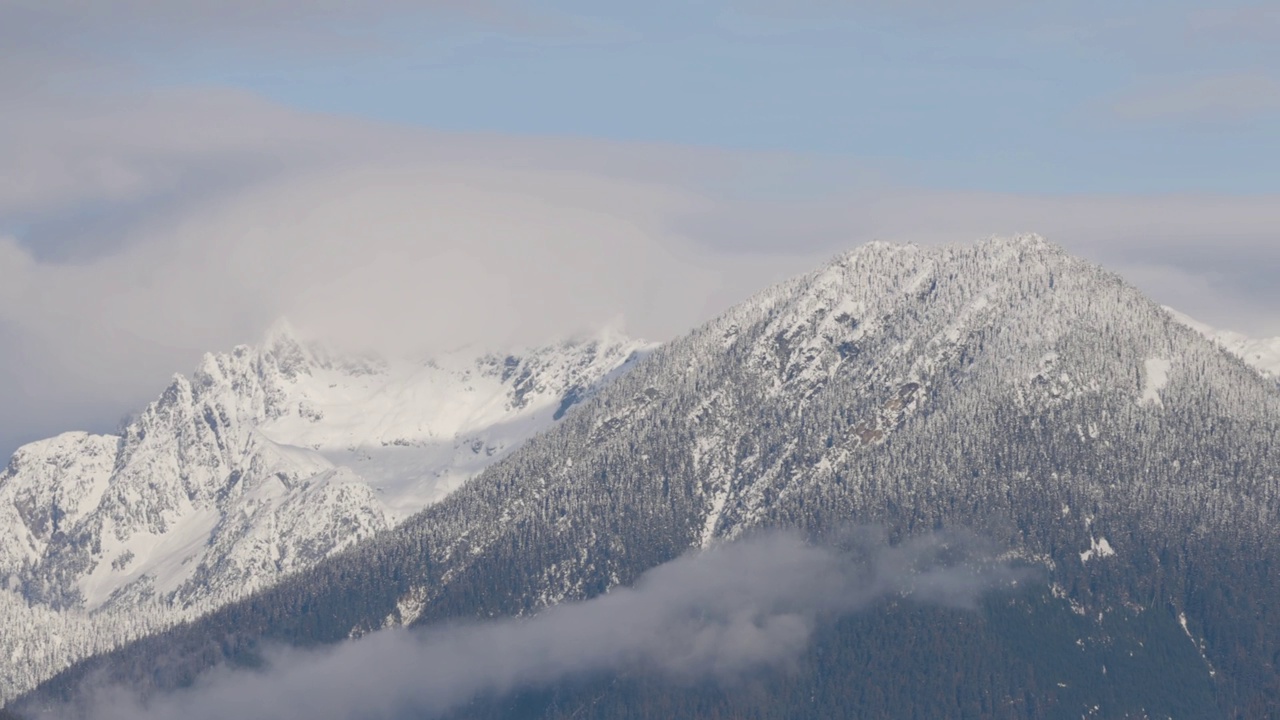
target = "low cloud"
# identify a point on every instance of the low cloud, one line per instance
(739, 608)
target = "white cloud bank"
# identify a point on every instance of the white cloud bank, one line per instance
(213, 214)
(145, 230)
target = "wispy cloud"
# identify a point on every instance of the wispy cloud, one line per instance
(734, 609)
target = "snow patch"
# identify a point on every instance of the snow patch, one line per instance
(1156, 377)
(719, 488)
(1099, 548)
(1199, 644)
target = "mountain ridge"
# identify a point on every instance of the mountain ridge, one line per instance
(1003, 386)
(262, 462)
(1263, 354)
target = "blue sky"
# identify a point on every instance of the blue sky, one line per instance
(1139, 97)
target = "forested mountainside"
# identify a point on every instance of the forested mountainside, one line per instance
(265, 461)
(1004, 387)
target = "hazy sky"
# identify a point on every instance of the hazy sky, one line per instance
(419, 175)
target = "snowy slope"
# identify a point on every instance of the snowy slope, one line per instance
(1262, 354)
(414, 431)
(266, 460)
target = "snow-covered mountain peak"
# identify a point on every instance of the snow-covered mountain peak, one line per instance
(930, 316)
(1034, 242)
(264, 460)
(291, 355)
(1262, 354)
(992, 252)
(873, 278)
(885, 339)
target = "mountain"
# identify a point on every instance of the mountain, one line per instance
(1004, 387)
(1262, 354)
(263, 462)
